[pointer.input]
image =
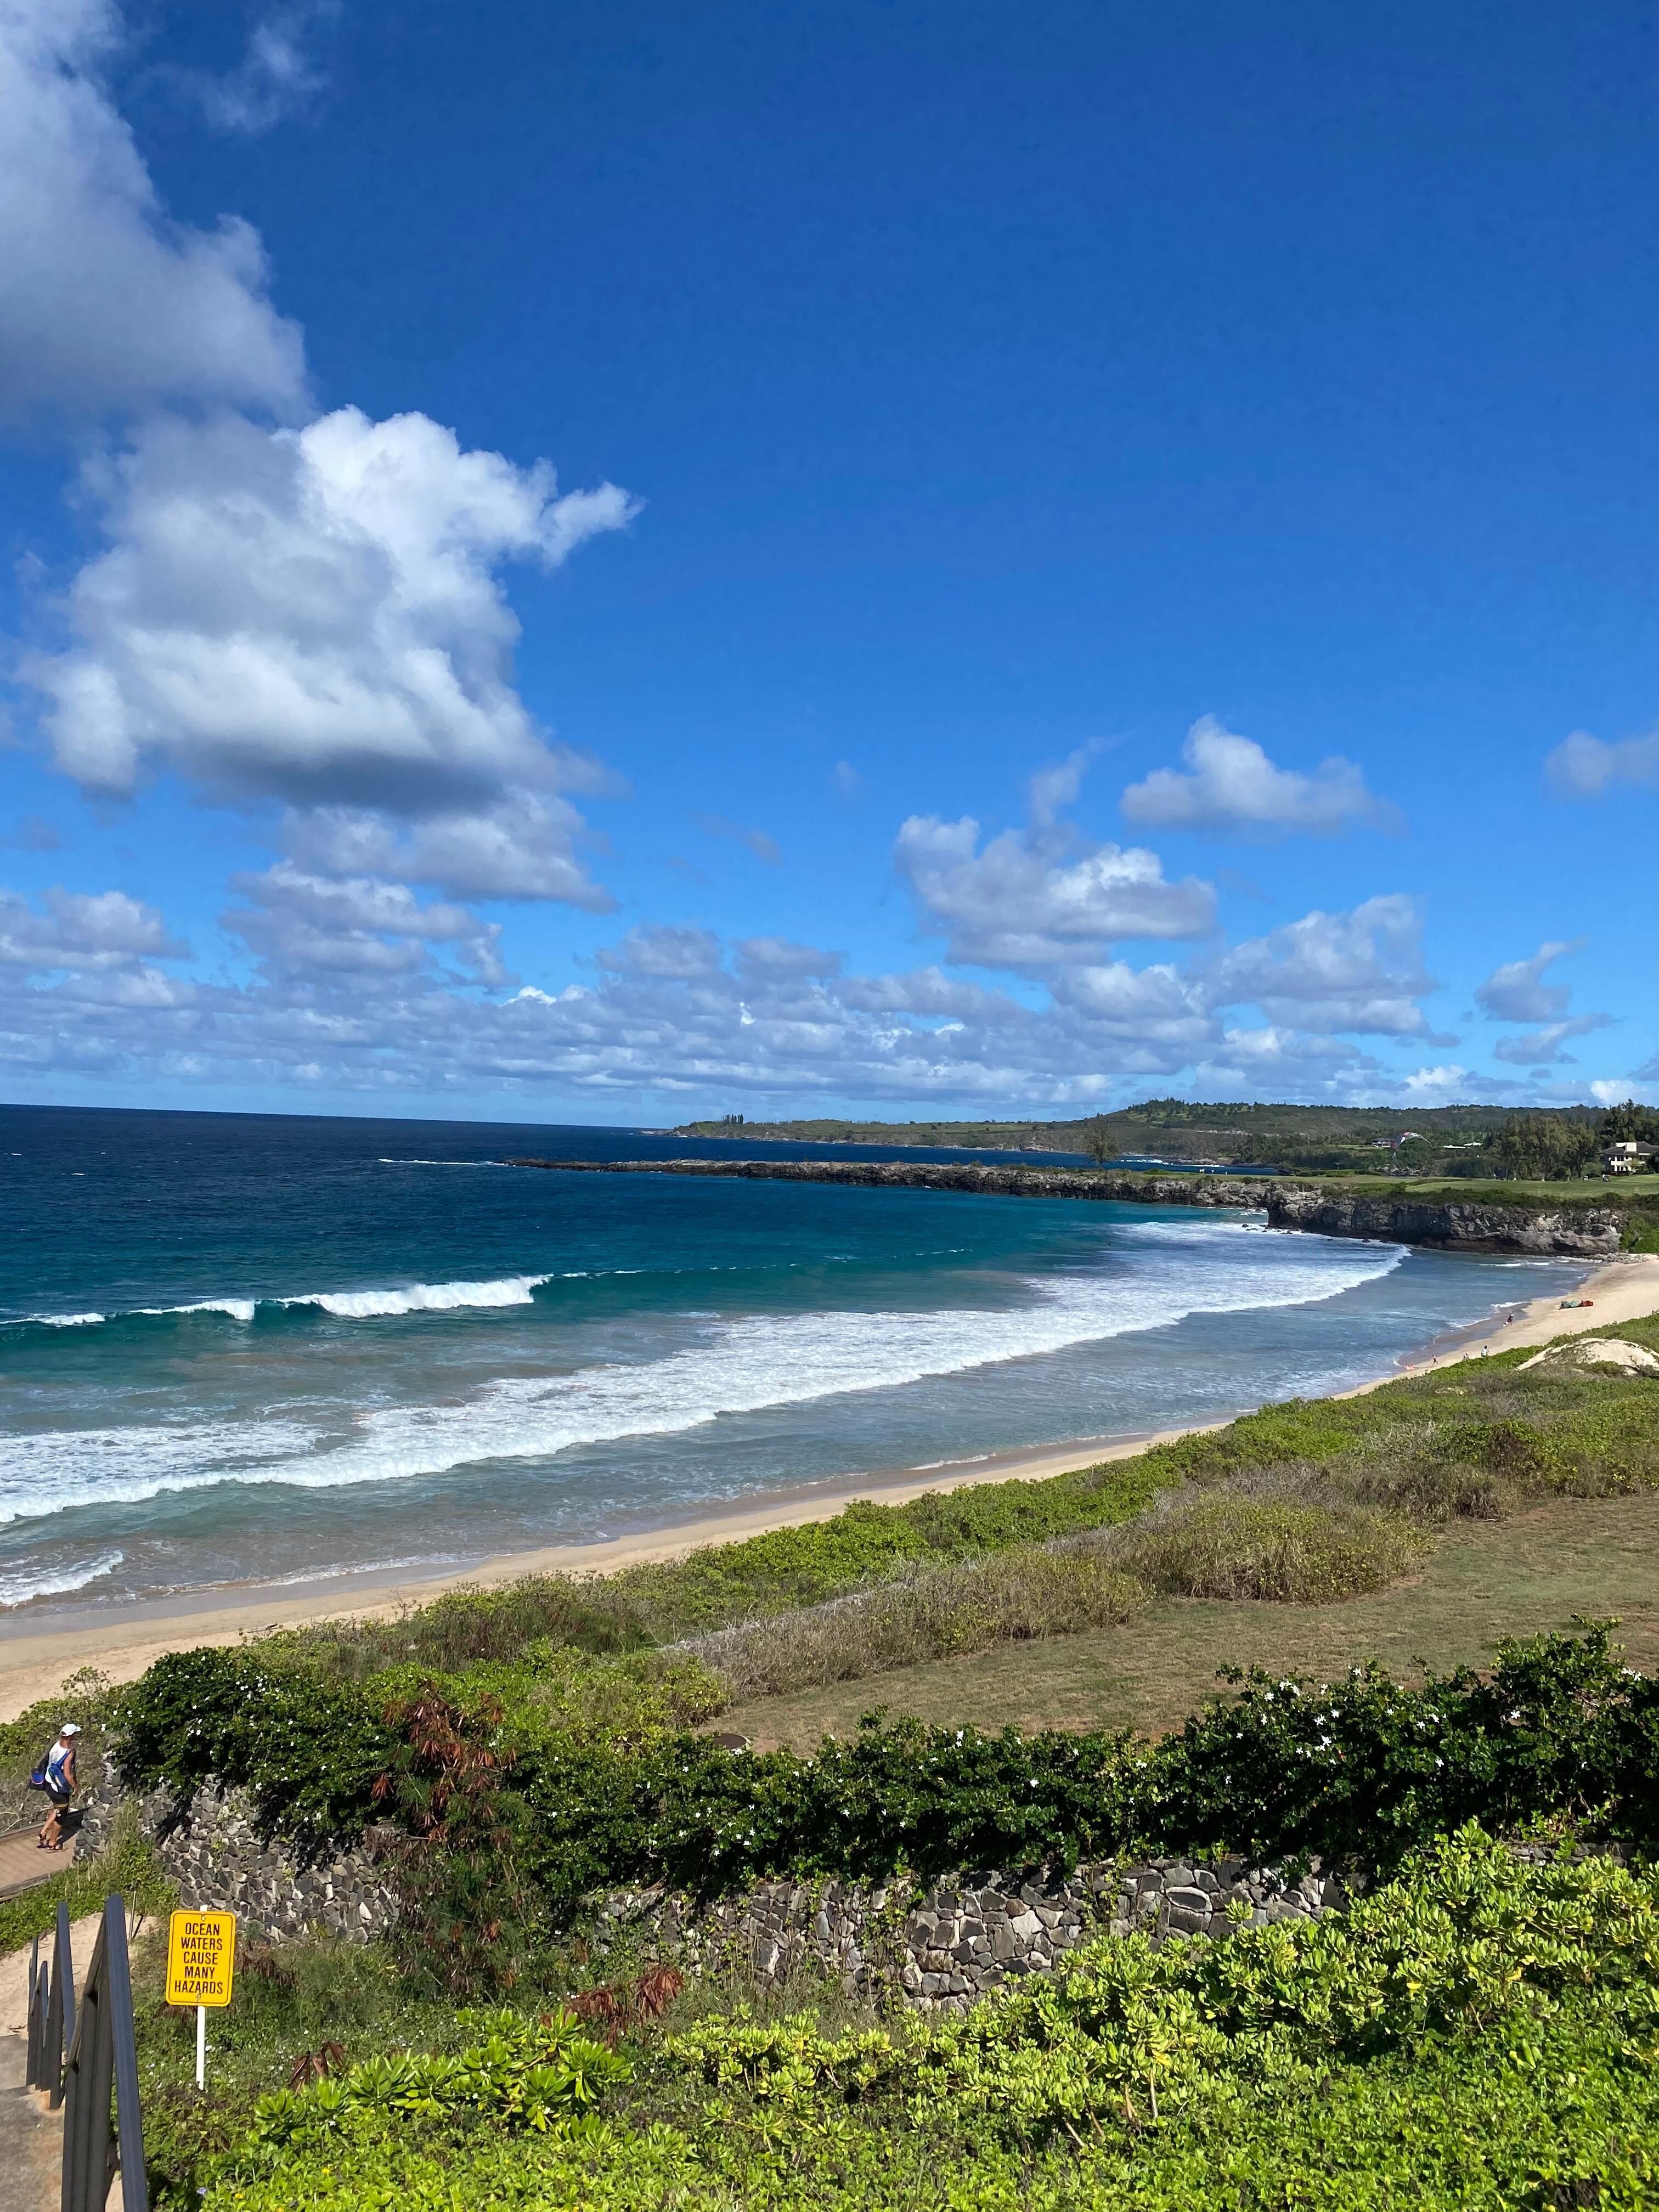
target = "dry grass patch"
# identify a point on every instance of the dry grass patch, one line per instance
(1529, 1575)
(1012, 1597)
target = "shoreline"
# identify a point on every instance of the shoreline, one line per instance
(125, 1639)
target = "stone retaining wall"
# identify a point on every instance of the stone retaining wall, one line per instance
(212, 1848)
(940, 1946)
(945, 1946)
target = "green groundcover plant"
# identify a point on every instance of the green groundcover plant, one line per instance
(1477, 2033)
(514, 1817)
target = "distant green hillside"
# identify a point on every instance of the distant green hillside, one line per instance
(1442, 1140)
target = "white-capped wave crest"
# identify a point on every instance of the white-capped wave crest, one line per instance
(735, 1366)
(345, 1305)
(25, 1582)
(421, 1298)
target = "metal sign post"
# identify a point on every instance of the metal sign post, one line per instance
(201, 1969)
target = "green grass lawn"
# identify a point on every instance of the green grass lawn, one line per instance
(1612, 1190)
(1593, 1556)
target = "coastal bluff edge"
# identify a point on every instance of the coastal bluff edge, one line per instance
(1453, 1224)
(937, 1946)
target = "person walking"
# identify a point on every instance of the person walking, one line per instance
(60, 1785)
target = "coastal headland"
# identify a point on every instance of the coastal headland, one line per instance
(39, 1648)
(1588, 1232)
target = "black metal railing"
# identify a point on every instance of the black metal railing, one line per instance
(51, 2010)
(102, 2138)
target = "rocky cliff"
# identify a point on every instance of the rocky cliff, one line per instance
(1589, 1233)
(1586, 1233)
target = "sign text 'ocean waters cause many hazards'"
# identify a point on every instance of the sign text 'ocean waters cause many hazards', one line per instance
(201, 1958)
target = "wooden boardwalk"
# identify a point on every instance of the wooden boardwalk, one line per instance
(22, 1861)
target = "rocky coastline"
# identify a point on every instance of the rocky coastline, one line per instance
(1450, 1225)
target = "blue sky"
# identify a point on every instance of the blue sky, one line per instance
(608, 564)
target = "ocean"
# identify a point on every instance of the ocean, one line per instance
(240, 1347)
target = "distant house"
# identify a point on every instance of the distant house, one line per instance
(1628, 1158)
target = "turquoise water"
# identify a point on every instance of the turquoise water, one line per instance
(260, 1347)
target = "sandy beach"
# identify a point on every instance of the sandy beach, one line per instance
(121, 1642)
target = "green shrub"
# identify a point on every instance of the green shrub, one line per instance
(868, 1543)
(1225, 1546)
(523, 2074)
(1478, 2033)
(310, 1750)
(517, 1821)
(935, 1612)
(466, 1626)
(720, 1584)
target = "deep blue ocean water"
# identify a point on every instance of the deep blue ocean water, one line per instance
(247, 1347)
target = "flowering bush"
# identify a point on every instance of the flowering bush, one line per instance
(534, 1815)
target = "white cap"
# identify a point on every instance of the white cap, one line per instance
(70, 1728)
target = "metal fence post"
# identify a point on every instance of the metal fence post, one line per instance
(37, 2016)
(58, 2027)
(104, 2057)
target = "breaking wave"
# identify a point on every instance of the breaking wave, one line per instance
(345, 1305)
(25, 1582)
(736, 1366)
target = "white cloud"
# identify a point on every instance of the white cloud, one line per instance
(680, 956)
(1031, 902)
(1051, 790)
(276, 76)
(1542, 1048)
(313, 615)
(1361, 971)
(1230, 785)
(1636, 1084)
(303, 926)
(1516, 992)
(846, 780)
(1445, 1085)
(316, 616)
(1156, 1007)
(521, 847)
(106, 304)
(1583, 766)
(928, 992)
(362, 990)
(775, 958)
(1282, 1060)
(310, 615)
(105, 929)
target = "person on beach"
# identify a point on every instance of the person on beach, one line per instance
(60, 1785)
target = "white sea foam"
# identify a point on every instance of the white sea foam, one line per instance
(56, 1468)
(54, 1321)
(17, 1588)
(345, 1305)
(737, 1366)
(421, 1298)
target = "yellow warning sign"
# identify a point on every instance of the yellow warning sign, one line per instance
(201, 1958)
